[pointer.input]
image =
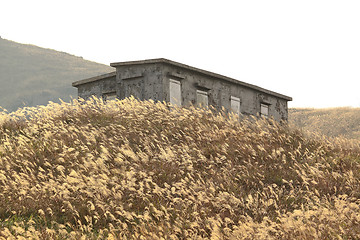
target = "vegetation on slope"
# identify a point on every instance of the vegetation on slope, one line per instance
(30, 75)
(332, 122)
(142, 170)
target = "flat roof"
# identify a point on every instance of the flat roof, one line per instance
(205, 72)
(93, 79)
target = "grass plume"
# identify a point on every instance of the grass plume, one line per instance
(143, 170)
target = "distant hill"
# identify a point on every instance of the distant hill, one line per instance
(332, 122)
(31, 75)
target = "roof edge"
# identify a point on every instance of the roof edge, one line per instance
(205, 72)
(93, 79)
(139, 62)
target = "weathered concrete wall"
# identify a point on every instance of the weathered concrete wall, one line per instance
(152, 81)
(278, 108)
(220, 92)
(97, 88)
(142, 81)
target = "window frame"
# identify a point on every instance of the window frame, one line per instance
(200, 92)
(106, 96)
(172, 99)
(264, 106)
(234, 99)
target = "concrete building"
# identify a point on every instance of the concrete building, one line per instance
(180, 84)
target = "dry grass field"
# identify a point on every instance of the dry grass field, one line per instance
(332, 122)
(144, 170)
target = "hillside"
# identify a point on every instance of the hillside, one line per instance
(30, 75)
(332, 122)
(142, 170)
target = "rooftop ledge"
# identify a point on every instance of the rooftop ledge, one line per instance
(93, 79)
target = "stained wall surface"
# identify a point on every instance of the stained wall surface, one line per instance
(142, 81)
(220, 92)
(152, 81)
(97, 88)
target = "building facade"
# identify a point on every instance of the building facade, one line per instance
(183, 85)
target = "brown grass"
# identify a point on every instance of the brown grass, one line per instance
(145, 170)
(331, 122)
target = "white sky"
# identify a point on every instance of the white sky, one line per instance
(306, 49)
